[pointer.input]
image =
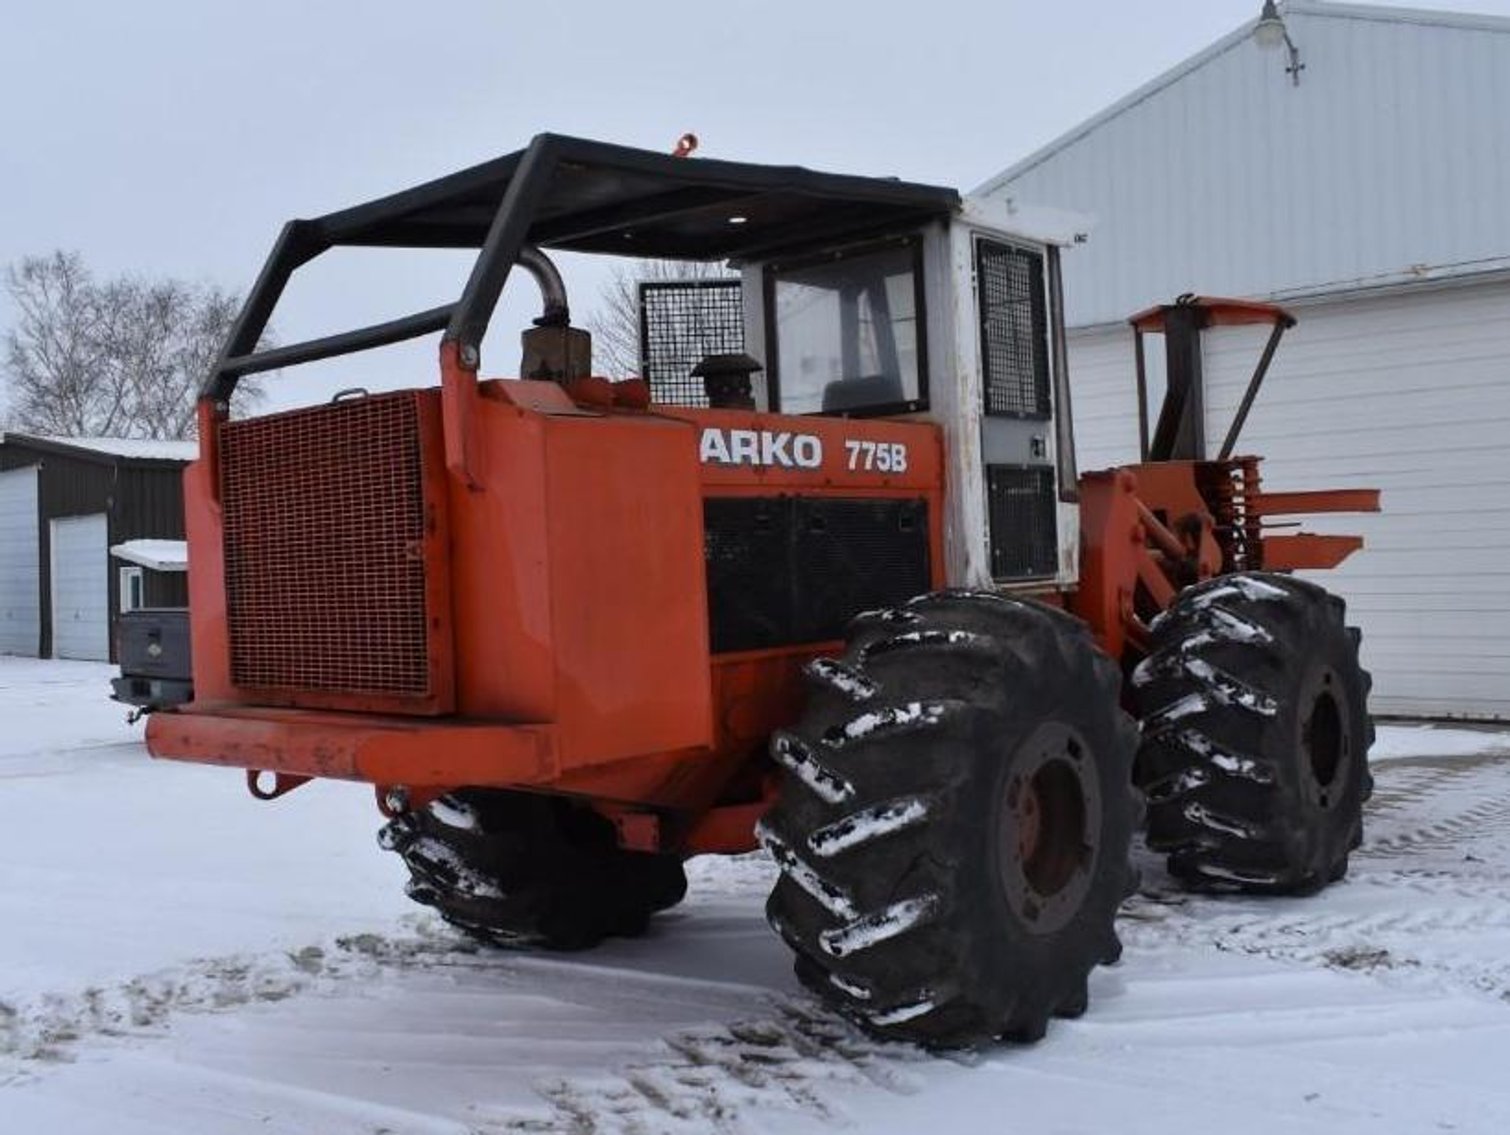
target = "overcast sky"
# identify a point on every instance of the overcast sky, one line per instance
(174, 137)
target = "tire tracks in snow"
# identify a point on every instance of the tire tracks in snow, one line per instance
(45, 1027)
(1427, 901)
(1407, 915)
(700, 1079)
(1437, 808)
(707, 1079)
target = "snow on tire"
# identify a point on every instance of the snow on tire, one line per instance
(1256, 733)
(963, 882)
(516, 869)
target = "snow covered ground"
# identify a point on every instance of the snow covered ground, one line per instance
(177, 957)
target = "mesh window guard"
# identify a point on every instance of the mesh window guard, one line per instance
(1014, 330)
(681, 323)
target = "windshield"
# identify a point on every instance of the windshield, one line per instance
(848, 332)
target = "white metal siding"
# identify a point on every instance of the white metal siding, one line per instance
(1389, 160)
(1104, 397)
(80, 588)
(1409, 394)
(20, 574)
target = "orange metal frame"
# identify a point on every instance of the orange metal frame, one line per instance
(568, 530)
(1149, 530)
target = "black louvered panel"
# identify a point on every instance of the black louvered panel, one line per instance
(787, 570)
(1024, 530)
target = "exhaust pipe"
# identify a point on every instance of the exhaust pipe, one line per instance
(553, 348)
(552, 287)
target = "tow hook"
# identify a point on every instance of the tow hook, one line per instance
(265, 784)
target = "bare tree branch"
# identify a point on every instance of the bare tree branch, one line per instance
(615, 324)
(51, 354)
(122, 358)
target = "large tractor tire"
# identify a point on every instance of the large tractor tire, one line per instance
(1255, 735)
(955, 818)
(514, 869)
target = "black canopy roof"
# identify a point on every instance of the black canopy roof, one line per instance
(615, 199)
(569, 193)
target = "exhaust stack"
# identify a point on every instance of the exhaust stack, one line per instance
(553, 349)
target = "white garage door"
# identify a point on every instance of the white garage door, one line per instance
(1409, 394)
(80, 588)
(20, 583)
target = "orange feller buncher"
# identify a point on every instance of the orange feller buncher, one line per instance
(832, 586)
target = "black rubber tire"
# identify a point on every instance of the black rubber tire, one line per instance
(904, 813)
(1255, 735)
(516, 869)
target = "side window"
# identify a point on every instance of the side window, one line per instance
(133, 586)
(1014, 330)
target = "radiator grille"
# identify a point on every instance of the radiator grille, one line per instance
(324, 517)
(1014, 330)
(1024, 531)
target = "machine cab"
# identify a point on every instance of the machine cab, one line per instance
(958, 322)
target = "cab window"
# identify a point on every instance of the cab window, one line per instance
(847, 331)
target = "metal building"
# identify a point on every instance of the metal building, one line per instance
(1358, 172)
(64, 502)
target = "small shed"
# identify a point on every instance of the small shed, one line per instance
(64, 504)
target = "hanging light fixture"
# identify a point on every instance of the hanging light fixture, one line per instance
(1270, 32)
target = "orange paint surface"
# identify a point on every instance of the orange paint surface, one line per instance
(570, 549)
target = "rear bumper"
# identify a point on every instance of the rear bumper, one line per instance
(151, 693)
(348, 746)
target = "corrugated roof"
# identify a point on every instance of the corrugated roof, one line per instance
(138, 449)
(1423, 16)
(159, 555)
(1387, 163)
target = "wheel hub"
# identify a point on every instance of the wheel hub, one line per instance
(1050, 822)
(1325, 738)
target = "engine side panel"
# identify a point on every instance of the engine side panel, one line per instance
(578, 572)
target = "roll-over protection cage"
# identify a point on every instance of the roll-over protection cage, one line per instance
(559, 193)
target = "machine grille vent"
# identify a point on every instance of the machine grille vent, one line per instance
(788, 570)
(1014, 330)
(1024, 530)
(681, 323)
(324, 518)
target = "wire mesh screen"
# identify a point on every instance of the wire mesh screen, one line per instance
(682, 322)
(1014, 330)
(324, 508)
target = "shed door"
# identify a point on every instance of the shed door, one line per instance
(80, 588)
(20, 574)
